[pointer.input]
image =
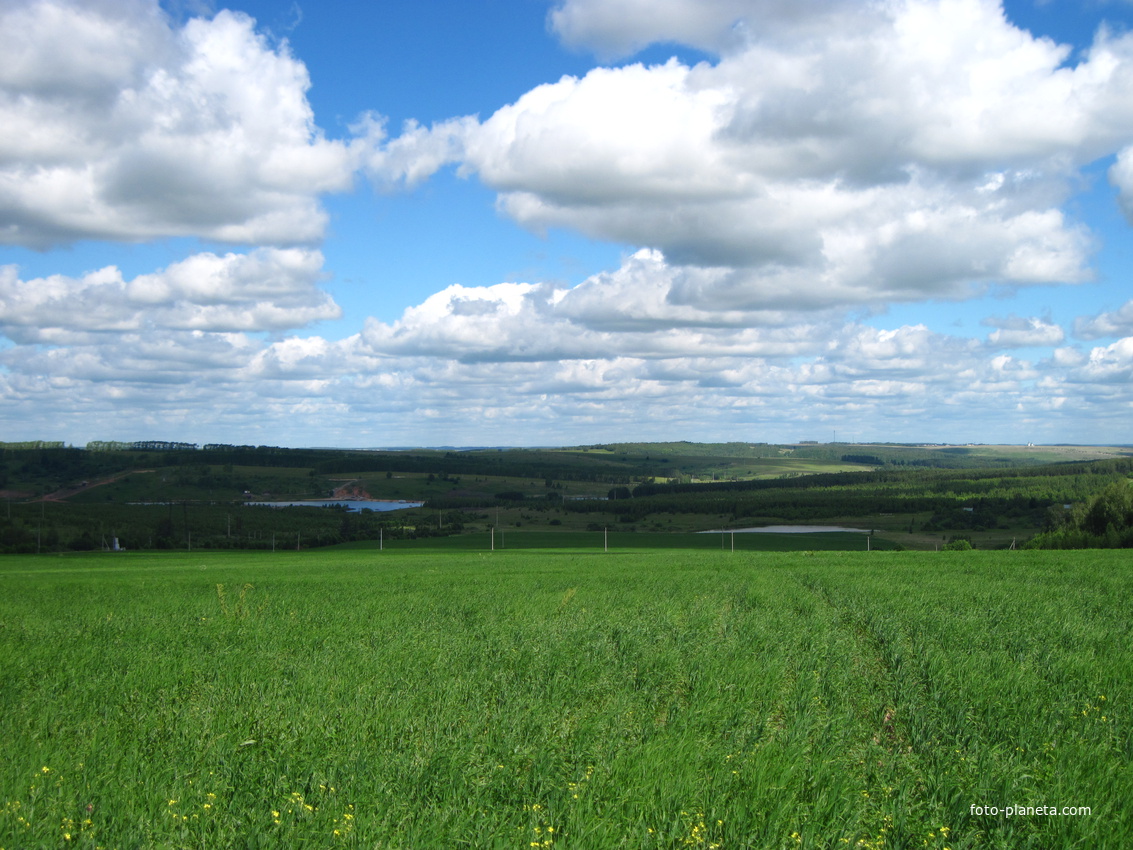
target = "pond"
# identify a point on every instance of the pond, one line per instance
(353, 505)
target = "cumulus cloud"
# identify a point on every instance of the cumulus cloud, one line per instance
(1111, 323)
(493, 364)
(120, 125)
(1107, 365)
(863, 153)
(538, 329)
(413, 156)
(267, 289)
(1020, 332)
(628, 312)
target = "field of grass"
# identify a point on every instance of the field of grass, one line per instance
(617, 542)
(565, 699)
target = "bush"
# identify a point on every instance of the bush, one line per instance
(961, 545)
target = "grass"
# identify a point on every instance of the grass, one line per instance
(570, 699)
(634, 541)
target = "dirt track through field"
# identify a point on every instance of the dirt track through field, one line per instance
(65, 493)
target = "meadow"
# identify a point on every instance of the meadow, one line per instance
(421, 698)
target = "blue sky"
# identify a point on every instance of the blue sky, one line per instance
(528, 222)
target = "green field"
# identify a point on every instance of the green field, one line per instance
(571, 699)
(617, 542)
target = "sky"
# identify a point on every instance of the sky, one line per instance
(564, 222)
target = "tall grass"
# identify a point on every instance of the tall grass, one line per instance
(573, 700)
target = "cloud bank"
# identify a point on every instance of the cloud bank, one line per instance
(829, 160)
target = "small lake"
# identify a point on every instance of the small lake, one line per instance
(353, 505)
(787, 529)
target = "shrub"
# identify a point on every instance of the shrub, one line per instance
(961, 545)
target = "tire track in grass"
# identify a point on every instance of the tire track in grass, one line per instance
(883, 755)
(994, 679)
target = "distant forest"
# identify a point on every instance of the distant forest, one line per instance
(157, 494)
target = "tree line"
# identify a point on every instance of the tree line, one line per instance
(1104, 521)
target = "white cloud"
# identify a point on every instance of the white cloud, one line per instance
(1068, 357)
(119, 125)
(1121, 175)
(1113, 323)
(894, 151)
(268, 289)
(1110, 363)
(414, 155)
(1019, 332)
(184, 358)
(629, 312)
(534, 327)
(419, 381)
(628, 132)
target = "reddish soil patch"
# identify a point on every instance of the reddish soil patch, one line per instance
(352, 491)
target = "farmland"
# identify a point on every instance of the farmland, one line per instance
(569, 698)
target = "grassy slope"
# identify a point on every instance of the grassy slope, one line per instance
(515, 699)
